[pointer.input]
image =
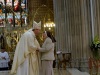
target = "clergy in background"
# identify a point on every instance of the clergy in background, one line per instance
(4, 59)
(26, 58)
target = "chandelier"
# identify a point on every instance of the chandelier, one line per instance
(48, 24)
(47, 21)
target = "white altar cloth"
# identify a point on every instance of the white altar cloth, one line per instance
(5, 72)
(3, 63)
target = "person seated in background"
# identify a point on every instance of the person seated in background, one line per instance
(4, 59)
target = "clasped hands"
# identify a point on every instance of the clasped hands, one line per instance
(37, 49)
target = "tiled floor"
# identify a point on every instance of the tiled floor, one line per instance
(70, 71)
(74, 71)
(61, 72)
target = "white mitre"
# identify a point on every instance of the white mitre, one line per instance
(36, 25)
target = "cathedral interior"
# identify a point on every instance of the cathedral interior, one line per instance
(74, 23)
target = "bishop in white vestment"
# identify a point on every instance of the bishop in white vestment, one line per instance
(26, 57)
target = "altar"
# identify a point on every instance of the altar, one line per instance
(5, 72)
(3, 64)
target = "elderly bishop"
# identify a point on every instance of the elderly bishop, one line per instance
(25, 60)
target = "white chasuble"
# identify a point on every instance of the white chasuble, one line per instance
(26, 59)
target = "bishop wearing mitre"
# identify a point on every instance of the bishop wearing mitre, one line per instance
(26, 58)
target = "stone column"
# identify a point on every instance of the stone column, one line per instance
(73, 28)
